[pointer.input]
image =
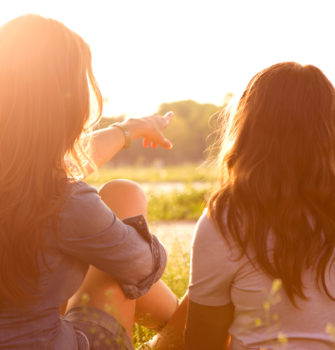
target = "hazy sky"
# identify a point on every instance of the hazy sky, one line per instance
(146, 52)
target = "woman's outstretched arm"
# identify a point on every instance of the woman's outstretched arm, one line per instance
(109, 141)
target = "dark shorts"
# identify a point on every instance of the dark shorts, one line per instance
(97, 330)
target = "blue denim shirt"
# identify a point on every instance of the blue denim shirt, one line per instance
(89, 233)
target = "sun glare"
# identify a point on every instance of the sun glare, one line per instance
(151, 51)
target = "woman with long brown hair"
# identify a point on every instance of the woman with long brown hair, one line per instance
(54, 229)
(263, 253)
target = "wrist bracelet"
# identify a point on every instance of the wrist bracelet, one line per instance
(126, 133)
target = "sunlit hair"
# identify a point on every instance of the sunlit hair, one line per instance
(277, 175)
(45, 74)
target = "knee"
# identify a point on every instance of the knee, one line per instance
(124, 194)
(127, 188)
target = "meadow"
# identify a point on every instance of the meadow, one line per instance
(172, 214)
(174, 193)
(186, 173)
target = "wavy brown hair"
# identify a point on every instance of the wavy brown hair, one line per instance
(45, 73)
(277, 175)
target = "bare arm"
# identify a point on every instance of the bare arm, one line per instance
(172, 335)
(207, 326)
(109, 141)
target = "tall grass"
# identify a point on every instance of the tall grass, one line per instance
(173, 205)
(186, 205)
(175, 276)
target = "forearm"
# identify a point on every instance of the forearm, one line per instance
(109, 141)
(207, 326)
(106, 143)
(172, 335)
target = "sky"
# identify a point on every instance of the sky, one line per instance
(146, 52)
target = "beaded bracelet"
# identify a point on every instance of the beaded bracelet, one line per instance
(126, 133)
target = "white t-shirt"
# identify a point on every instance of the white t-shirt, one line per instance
(264, 318)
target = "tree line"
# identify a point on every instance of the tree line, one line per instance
(193, 132)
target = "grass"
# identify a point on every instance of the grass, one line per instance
(173, 205)
(187, 173)
(186, 205)
(175, 275)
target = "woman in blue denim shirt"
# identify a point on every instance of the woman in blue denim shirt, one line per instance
(60, 239)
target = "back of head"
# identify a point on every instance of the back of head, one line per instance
(277, 172)
(286, 121)
(45, 71)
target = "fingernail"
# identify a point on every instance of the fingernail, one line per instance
(169, 114)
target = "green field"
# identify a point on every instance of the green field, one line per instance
(176, 274)
(186, 205)
(187, 173)
(166, 205)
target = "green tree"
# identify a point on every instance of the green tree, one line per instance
(193, 129)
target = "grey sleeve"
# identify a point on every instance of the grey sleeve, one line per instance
(126, 250)
(212, 266)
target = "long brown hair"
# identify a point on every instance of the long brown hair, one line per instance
(277, 174)
(45, 73)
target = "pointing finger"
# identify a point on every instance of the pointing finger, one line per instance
(145, 142)
(168, 116)
(166, 143)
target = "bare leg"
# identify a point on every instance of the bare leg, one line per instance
(156, 307)
(126, 199)
(101, 291)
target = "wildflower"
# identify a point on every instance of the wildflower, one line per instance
(266, 305)
(330, 329)
(276, 284)
(107, 308)
(258, 322)
(282, 338)
(85, 298)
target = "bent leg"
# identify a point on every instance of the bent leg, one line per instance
(156, 307)
(101, 291)
(125, 198)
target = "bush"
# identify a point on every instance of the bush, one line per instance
(186, 205)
